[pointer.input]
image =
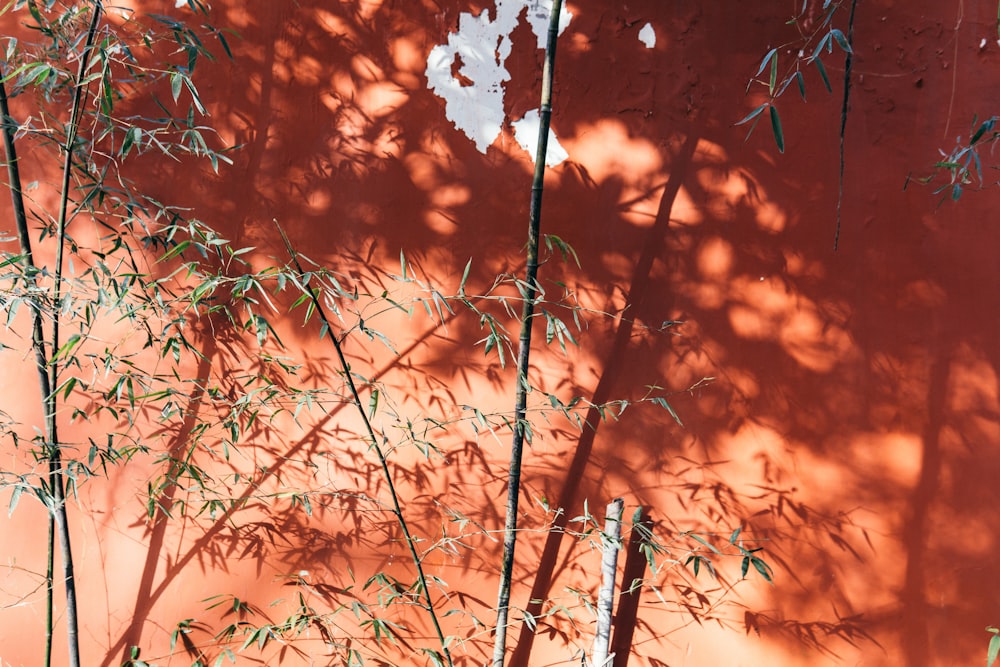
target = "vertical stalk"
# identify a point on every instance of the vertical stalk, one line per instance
(397, 509)
(55, 463)
(848, 62)
(37, 331)
(527, 318)
(49, 577)
(48, 368)
(611, 540)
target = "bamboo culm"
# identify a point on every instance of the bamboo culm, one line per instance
(611, 540)
(48, 369)
(527, 317)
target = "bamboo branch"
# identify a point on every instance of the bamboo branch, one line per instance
(373, 438)
(527, 313)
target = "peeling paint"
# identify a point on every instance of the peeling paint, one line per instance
(648, 36)
(477, 52)
(526, 135)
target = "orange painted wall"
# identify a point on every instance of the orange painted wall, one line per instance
(852, 419)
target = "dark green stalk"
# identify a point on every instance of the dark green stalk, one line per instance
(527, 318)
(848, 62)
(397, 510)
(37, 332)
(49, 575)
(55, 462)
(48, 371)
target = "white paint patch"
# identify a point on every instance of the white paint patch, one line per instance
(539, 12)
(526, 135)
(648, 36)
(478, 52)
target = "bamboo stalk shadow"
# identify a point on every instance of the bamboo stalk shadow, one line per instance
(628, 602)
(681, 165)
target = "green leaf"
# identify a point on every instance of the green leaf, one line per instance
(662, 402)
(176, 81)
(753, 114)
(799, 79)
(465, 277)
(841, 40)
(773, 53)
(67, 347)
(779, 137)
(176, 250)
(994, 649)
(701, 540)
(773, 82)
(132, 137)
(823, 75)
(826, 42)
(14, 497)
(983, 129)
(762, 568)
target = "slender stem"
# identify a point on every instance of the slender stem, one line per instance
(397, 509)
(37, 331)
(527, 318)
(55, 463)
(848, 62)
(49, 572)
(53, 453)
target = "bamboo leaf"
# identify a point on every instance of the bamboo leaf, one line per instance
(841, 40)
(176, 81)
(779, 137)
(994, 648)
(773, 81)
(763, 63)
(753, 114)
(15, 496)
(465, 277)
(823, 75)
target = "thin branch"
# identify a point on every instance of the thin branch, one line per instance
(373, 438)
(848, 62)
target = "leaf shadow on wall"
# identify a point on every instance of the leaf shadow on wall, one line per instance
(835, 429)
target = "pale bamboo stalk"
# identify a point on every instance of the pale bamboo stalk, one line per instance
(611, 540)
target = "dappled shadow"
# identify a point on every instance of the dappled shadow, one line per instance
(853, 401)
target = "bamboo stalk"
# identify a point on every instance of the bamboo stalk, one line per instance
(611, 540)
(527, 312)
(55, 462)
(48, 371)
(37, 331)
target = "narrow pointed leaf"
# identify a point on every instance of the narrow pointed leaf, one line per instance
(779, 137)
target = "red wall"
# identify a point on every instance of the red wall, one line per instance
(851, 420)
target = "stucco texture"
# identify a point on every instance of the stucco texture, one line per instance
(840, 405)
